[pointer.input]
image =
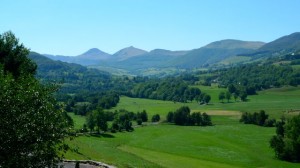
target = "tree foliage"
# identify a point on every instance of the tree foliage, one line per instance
(286, 143)
(97, 118)
(155, 118)
(254, 77)
(32, 124)
(182, 116)
(123, 121)
(13, 56)
(222, 96)
(82, 102)
(171, 89)
(228, 96)
(256, 118)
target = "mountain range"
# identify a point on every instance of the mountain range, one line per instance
(136, 60)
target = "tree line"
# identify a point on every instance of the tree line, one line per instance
(171, 89)
(97, 120)
(183, 116)
(258, 118)
(84, 102)
(254, 77)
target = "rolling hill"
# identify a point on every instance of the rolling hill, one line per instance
(214, 52)
(210, 54)
(214, 55)
(157, 58)
(288, 43)
(280, 46)
(74, 77)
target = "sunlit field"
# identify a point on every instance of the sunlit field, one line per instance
(228, 143)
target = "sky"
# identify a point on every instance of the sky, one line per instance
(71, 27)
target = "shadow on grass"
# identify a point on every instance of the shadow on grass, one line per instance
(104, 135)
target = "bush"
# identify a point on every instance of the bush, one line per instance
(270, 123)
(260, 119)
(155, 118)
(139, 121)
(144, 116)
(170, 117)
(206, 120)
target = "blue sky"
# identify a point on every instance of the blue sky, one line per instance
(70, 27)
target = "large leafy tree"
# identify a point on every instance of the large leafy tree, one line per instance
(286, 143)
(222, 96)
(32, 126)
(13, 56)
(228, 96)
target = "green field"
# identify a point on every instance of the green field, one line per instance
(235, 60)
(274, 101)
(226, 144)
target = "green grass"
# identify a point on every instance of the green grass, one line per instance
(78, 120)
(235, 60)
(274, 101)
(235, 145)
(296, 67)
(226, 144)
(114, 71)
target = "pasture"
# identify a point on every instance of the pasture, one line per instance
(226, 144)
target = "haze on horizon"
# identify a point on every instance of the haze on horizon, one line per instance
(72, 27)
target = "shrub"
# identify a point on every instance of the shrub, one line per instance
(139, 121)
(155, 118)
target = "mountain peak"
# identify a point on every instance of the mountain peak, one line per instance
(129, 52)
(94, 54)
(94, 50)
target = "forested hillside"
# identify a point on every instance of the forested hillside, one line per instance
(260, 76)
(73, 77)
(172, 89)
(82, 89)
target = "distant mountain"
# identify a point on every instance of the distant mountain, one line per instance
(135, 61)
(235, 44)
(288, 43)
(91, 57)
(46, 64)
(154, 59)
(281, 46)
(60, 58)
(128, 52)
(215, 52)
(94, 54)
(167, 52)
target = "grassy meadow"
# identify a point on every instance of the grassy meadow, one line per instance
(226, 144)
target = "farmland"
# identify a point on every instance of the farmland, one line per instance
(226, 144)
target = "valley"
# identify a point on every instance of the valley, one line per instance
(228, 143)
(161, 81)
(150, 84)
(223, 105)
